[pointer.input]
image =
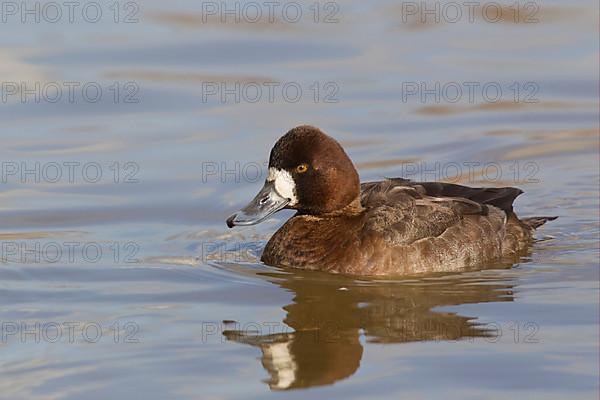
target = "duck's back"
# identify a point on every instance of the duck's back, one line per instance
(406, 227)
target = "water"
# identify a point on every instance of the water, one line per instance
(120, 252)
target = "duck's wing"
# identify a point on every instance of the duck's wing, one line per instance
(502, 198)
(405, 211)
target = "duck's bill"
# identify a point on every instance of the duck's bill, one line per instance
(266, 203)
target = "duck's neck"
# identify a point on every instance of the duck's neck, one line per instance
(353, 208)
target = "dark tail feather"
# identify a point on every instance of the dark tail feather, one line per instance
(536, 222)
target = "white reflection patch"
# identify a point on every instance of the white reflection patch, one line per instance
(279, 356)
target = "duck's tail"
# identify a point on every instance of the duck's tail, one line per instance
(536, 222)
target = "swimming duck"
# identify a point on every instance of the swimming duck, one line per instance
(391, 227)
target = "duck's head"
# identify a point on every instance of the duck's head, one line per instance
(309, 172)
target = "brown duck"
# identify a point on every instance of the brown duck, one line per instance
(391, 227)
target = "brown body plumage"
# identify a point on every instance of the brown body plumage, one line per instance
(399, 228)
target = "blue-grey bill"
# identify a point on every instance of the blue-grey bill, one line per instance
(266, 203)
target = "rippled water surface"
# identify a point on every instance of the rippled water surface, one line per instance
(140, 290)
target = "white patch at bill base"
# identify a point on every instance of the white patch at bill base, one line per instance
(284, 184)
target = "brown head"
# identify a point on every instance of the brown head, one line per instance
(309, 172)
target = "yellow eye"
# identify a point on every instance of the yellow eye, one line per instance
(302, 168)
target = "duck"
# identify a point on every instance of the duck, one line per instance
(392, 227)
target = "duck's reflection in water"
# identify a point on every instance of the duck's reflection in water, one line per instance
(329, 316)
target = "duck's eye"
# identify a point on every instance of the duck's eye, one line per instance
(302, 168)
